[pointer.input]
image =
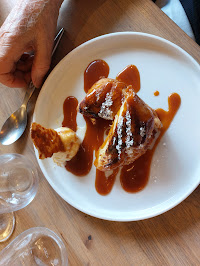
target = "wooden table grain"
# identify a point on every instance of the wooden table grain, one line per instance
(172, 238)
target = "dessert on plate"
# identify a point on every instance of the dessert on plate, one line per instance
(133, 132)
(135, 125)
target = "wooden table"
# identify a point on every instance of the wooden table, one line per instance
(172, 238)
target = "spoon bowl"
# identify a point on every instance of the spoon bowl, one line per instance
(14, 126)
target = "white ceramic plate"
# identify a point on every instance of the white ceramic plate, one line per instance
(175, 170)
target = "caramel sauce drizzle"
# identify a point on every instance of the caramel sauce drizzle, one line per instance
(133, 177)
(104, 184)
(96, 70)
(70, 113)
(130, 76)
(156, 93)
(81, 164)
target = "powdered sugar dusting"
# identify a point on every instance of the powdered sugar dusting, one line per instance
(119, 135)
(142, 131)
(114, 140)
(106, 112)
(97, 96)
(129, 136)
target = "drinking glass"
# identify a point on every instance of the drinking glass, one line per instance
(18, 187)
(36, 246)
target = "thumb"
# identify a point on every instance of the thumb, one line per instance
(41, 63)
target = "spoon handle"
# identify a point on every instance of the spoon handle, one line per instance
(31, 87)
(28, 94)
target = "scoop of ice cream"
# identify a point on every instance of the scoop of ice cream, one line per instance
(71, 145)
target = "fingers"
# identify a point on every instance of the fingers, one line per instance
(16, 74)
(9, 74)
(25, 63)
(19, 74)
(22, 33)
(41, 62)
(16, 79)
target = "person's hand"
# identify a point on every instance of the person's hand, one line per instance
(26, 41)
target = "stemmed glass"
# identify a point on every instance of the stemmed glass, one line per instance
(35, 246)
(18, 187)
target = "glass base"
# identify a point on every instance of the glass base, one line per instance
(7, 225)
(35, 246)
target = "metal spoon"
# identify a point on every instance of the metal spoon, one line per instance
(15, 125)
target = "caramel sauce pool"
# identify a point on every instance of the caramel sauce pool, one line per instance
(81, 164)
(133, 177)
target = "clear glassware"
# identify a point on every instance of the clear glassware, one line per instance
(36, 246)
(18, 187)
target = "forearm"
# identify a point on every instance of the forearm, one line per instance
(40, 4)
(28, 11)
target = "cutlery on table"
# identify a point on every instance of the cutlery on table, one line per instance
(15, 125)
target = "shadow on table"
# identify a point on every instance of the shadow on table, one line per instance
(73, 16)
(82, 21)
